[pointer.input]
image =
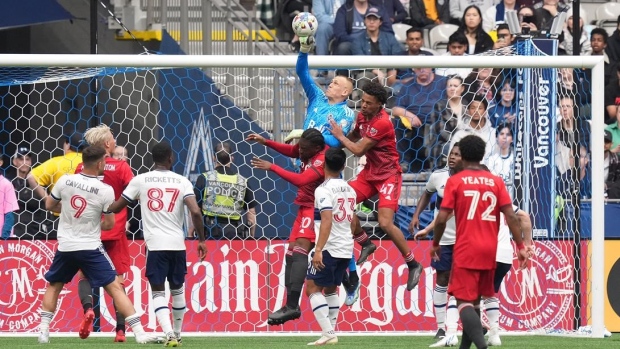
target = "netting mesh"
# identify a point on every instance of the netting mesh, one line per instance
(241, 281)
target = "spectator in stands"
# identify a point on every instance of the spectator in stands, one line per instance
(613, 45)
(611, 173)
(481, 82)
(458, 8)
(414, 104)
(477, 122)
(446, 118)
(496, 15)
(573, 131)
(223, 195)
(457, 45)
(614, 128)
(349, 24)
(397, 77)
(478, 40)
(31, 221)
(566, 44)
(598, 42)
(120, 153)
(394, 10)
(325, 13)
(374, 42)
(573, 83)
(47, 174)
(502, 160)
(505, 110)
(504, 38)
(612, 97)
(527, 20)
(287, 10)
(427, 14)
(544, 15)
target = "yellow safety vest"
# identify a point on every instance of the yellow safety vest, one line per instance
(224, 195)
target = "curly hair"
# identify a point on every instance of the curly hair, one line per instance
(315, 137)
(472, 148)
(377, 90)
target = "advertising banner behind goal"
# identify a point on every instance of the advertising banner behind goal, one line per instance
(240, 282)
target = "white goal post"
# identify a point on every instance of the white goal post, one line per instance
(595, 274)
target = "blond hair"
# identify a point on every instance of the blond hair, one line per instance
(97, 135)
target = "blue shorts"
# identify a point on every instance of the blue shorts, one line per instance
(333, 272)
(162, 265)
(501, 269)
(445, 258)
(95, 264)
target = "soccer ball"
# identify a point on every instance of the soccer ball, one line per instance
(305, 24)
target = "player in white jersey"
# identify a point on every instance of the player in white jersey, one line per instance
(335, 199)
(446, 313)
(501, 161)
(504, 258)
(81, 199)
(162, 194)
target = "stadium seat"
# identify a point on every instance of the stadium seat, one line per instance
(400, 31)
(607, 16)
(439, 35)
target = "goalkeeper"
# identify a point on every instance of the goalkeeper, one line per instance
(323, 105)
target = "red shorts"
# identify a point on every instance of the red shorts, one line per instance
(119, 254)
(470, 284)
(389, 190)
(304, 225)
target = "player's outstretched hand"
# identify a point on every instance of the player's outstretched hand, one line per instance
(202, 250)
(335, 129)
(420, 234)
(317, 260)
(435, 253)
(256, 138)
(260, 164)
(306, 43)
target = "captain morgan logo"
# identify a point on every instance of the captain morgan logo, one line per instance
(539, 296)
(24, 265)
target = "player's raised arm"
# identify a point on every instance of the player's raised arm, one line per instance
(308, 84)
(291, 151)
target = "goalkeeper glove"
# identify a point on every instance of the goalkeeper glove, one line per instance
(295, 134)
(306, 44)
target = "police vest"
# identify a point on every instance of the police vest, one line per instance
(224, 195)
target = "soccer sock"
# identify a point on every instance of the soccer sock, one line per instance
(120, 319)
(287, 271)
(321, 312)
(135, 324)
(410, 260)
(471, 324)
(362, 238)
(352, 265)
(85, 293)
(354, 279)
(440, 298)
(333, 303)
(452, 317)
(491, 306)
(178, 308)
(298, 276)
(46, 318)
(162, 312)
(345, 281)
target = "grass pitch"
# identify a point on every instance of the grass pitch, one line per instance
(290, 342)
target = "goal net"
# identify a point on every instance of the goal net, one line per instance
(537, 124)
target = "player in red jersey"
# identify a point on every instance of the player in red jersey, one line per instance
(116, 174)
(477, 197)
(311, 152)
(374, 137)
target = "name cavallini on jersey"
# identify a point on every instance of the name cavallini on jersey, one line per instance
(162, 180)
(85, 187)
(342, 190)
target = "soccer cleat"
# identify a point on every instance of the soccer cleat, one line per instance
(44, 337)
(283, 315)
(440, 334)
(120, 336)
(171, 341)
(494, 339)
(87, 323)
(414, 277)
(366, 251)
(325, 340)
(145, 338)
(353, 294)
(179, 340)
(447, 341)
